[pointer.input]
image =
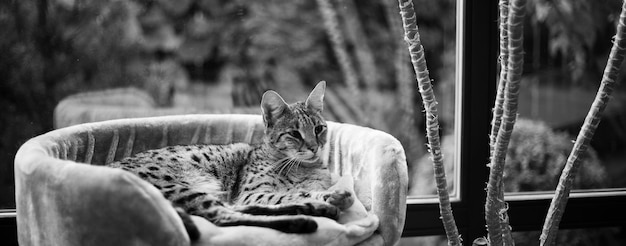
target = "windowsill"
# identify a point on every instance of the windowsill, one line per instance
(7, 213)
(544, 195)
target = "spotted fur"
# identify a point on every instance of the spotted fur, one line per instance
(274, 184)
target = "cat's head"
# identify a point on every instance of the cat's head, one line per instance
(296, 131)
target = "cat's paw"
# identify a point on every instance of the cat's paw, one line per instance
(295, 224)
(321, 209)
(190, 227)
(342, 199)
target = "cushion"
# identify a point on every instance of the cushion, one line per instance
(65, 196)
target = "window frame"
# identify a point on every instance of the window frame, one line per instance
(478, 54)
(8, 226)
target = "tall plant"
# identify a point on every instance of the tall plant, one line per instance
(508, 89)
(412, 37)
(611, 71)
(498, 110)
(505, 114)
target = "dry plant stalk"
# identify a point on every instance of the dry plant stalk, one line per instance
(504, 56)
(495, 209)
(339, 45)
(416, 51)
(497, 109)
(355, 34)
(559, 201)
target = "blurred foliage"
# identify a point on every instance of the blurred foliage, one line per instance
(572, 36)
(49, 52)
(566, 45)
(534, 160)
(55, 48)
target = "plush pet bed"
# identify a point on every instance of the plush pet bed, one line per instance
(64, 196)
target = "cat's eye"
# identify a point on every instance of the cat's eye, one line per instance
(319, 129)
(295, 134)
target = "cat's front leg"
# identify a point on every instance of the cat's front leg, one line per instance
(292, 203)
(190, 226)
(307, 208)
(341, 198)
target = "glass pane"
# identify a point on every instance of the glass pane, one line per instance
(586, 236)
(423, 241)
(218, 57)
(437, 22)
(566, 47)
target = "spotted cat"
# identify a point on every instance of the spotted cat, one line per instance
(273, 184)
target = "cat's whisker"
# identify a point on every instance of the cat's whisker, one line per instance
(298, 163)
(283, 165)
(293, 163)
(280, 164)
(287, 166)
(284, 168)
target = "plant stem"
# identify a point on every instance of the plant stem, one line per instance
(495, 211)
(504, 56)
(559, 201)
(416, 51)
(339, 45)
(497, 117)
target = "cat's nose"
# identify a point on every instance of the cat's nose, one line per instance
(312, 149)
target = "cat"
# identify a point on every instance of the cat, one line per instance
(273, 184)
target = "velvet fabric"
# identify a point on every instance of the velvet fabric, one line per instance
(65, 196)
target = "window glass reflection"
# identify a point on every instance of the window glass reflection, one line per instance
(566, 47)
(146, 58)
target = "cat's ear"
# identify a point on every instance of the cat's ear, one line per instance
(316, 98)
(272, 106)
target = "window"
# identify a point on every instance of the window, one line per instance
(177, 55)
(462, 51)
(438, 29)
(233, 51)
(563, 68)
(527, 210)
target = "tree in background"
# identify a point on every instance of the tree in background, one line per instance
(571, 37)
(55, 48)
